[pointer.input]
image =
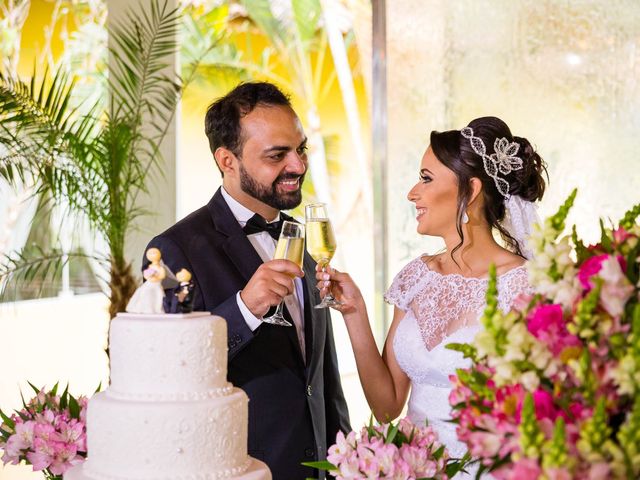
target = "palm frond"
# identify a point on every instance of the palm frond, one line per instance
(34, 267)
(141, 78)
(260, 13)
(307, 14)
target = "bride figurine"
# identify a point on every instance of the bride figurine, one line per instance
(148, 297)
(472, 182)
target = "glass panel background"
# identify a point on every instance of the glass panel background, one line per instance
(562, 74)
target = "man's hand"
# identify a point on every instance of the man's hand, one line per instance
(269, 285)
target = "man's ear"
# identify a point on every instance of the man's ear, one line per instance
(476, 187)
(226, 160)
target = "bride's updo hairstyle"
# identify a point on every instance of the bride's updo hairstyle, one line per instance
(455, 151)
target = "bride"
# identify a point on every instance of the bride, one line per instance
(472, 182)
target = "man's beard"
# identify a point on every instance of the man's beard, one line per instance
(269, 194)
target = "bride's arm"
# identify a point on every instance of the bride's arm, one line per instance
(384, 383)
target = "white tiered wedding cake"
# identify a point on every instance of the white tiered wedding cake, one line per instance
(169, 412)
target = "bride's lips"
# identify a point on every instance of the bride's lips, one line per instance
(420, 212)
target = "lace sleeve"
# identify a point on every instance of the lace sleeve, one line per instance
(511, 285)
(405, 284)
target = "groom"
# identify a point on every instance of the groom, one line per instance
(290, 374)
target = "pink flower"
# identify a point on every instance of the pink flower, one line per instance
(386, 455)
(484, 444)
(599, 471)
(343, 447)
(525, 469)
(521, 302)
(415, 458)
(367, 461)
(459, 394)
(42, 454)
(544, 406)
(401, 470)
(620, 235)
(546, 323)
(13, 450)
(616, 289)
(545, 319)
(349, 467)
(590, 267)
(72, 433)
(558, 474)
(65, 457)
(509, 401)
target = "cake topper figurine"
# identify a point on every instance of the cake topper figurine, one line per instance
(148, 298)
(181, 299)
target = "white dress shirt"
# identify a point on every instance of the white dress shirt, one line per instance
(265, 246)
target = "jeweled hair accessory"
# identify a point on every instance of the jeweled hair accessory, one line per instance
(521, 214)
(503, 161)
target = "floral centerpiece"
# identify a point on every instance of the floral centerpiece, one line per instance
(398, 451)
(554, 387)
(48, 433)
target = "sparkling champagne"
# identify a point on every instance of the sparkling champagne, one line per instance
(290, 248)
(321, 241)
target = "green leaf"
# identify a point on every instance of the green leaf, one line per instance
(10, 423)
(559, 218)
(582, 253)
(467, 350)
(54, 390)
(605, 240)
(99, 388)
(74, 407)
(35, 389)
(64, 398)
(321, 465)
(439, 452)
(391, 434)
(630, 217)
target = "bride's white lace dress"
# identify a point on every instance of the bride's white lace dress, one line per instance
(440, 309)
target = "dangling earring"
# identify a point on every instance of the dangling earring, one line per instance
(465, 218)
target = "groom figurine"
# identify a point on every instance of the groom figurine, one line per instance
(296, 404)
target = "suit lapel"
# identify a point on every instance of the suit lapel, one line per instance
(237, 246)
(313, 319)
(242, 254)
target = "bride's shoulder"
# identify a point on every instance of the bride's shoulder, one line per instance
(513, 278)
(420, 264)
(406, 282)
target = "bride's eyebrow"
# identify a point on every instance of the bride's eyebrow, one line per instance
(425, 170)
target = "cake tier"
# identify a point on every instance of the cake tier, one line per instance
(256, 471)
(201, 439)
(168, 357)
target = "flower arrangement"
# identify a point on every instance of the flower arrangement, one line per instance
(393, 451)
(48, 432)
(554, 387)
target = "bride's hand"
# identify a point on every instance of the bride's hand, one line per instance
(343, 289)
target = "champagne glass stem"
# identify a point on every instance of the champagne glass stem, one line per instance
(328, 300)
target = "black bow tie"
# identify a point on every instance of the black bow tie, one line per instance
(258, 224)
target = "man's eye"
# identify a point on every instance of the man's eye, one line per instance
(302, 150)
(277, 156)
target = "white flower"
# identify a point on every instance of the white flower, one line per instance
(530, 381)
(505, 372)
(539, 355)
(485, 343)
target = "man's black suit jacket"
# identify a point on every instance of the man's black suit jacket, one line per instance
(295, 408)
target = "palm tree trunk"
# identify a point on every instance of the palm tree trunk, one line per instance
(122, 285)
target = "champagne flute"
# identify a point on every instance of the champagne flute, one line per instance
(321, 243)
(290, 247)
